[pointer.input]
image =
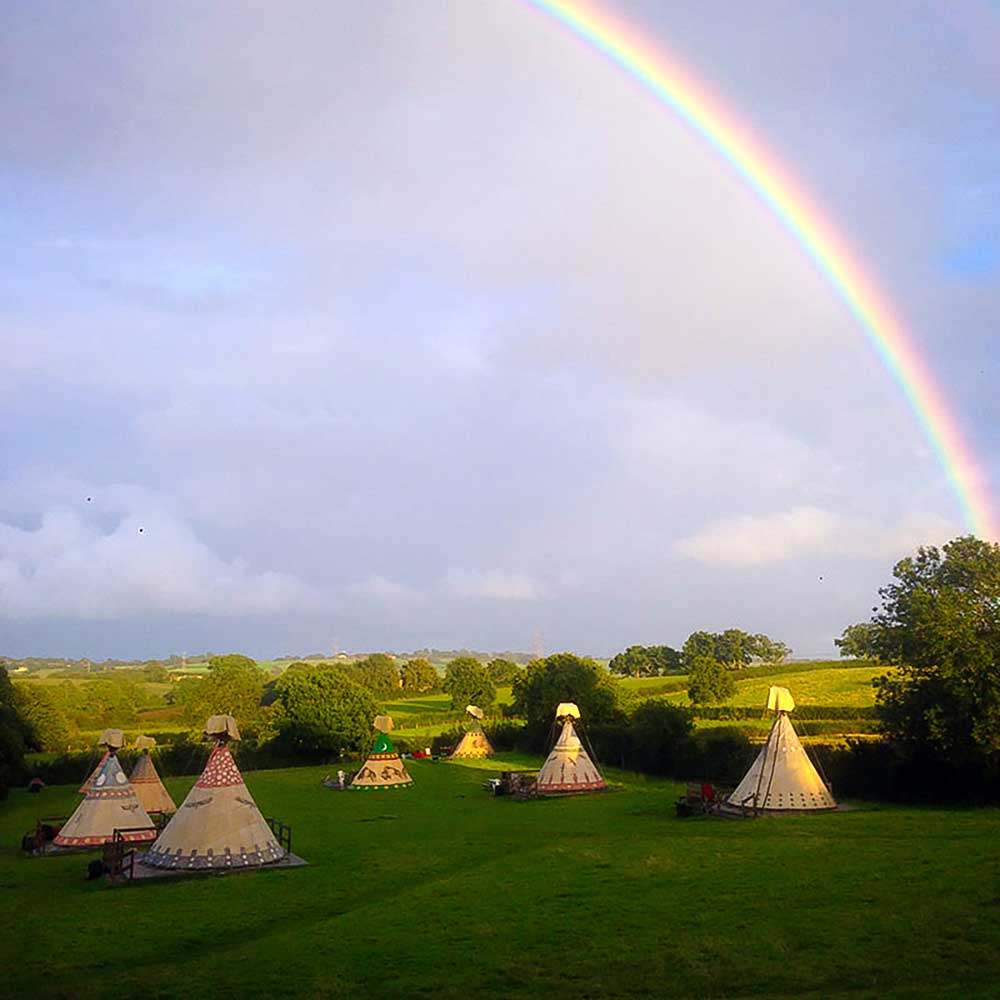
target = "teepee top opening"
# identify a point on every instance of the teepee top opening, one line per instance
(383, 723)
(144, 743)
(475, 711)
(779, 699)
(113, 739)
(567, 710)
(221, 727)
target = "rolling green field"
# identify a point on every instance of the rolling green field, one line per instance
(833, 686)
(444, 892)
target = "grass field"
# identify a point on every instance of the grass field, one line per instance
(832, 686)
(443, 892)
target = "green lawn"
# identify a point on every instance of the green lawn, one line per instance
(445, 893)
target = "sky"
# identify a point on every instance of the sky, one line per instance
(420, 324)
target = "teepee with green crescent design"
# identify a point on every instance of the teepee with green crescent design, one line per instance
(384, 768)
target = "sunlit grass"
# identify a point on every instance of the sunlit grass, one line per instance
(444, 892)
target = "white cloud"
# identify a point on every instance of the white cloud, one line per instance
(759, 540)
(492, 585)
(71, 567)
(458, 584)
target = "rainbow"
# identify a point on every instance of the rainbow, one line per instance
(667, 79)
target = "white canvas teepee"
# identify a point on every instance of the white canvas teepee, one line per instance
(110, 804)
(782, 779)
(146, 782)
(384, 768)
(475, 744)
(568, 767)
(218, 825)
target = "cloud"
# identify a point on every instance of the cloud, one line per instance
(71, 567)
(456, 584)
(763, 540)
(492, 585)
(382, 590)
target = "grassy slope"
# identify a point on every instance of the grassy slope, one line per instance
(443, 892)
(833, 686)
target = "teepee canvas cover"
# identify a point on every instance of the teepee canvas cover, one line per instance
(569, 767)
(782, 779)
(475, 744)
(146, 782)
(110, 804)
(83, 789)
(218, 825)
(383, 768)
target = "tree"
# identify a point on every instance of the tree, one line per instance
(156, 672)
(419, 676)
(14, 735)
(857, 641)
(468, 682)
(234, 686)
(733, 648)
(709, 682)
(379, 674)
(767, 649)
(565, 677)
(697, 644)
(503, 672)
(660, 735)
(939, 625)
(646, 661)
(321, 710)
(40, 711)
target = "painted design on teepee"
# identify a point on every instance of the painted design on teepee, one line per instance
(782, 778)
(110, 804)
(568, 768)
(93, 774)
(475, 744)
(218, 825)
(149, 788)
(383, 769)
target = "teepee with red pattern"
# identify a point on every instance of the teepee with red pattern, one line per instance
(218, 826)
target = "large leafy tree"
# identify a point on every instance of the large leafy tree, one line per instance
(379, 674)
(233, 686)
(646, 661)
(39, 710)
(697, 644)
(939, 625)
(857, 641)
(320, 710)
(767, 649)
(15, 734)
(565, 677)
(419, 676)
(468, 682)
(503, 671)
(709, 682)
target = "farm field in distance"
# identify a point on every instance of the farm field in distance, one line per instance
(442, 891)
(818, 683)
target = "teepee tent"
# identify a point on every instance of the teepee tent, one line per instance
(383, 768)
(474, 744)
(568, 767)
(218, 825)
(782, 779)
(110, 804)
(146, 782)
(93, 774)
